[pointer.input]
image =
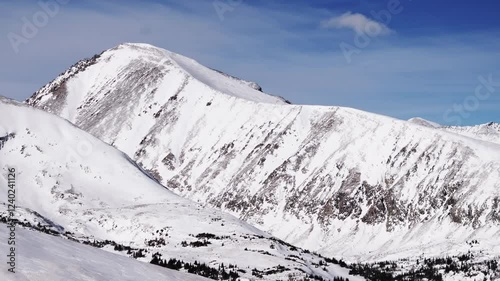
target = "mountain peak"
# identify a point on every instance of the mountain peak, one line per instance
(138, 45)
(423, 122)
(141, 70)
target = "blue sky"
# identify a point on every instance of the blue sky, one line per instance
(434, 59)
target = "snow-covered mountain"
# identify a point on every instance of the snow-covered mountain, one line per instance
(485, 132)
(332, 179)
(76, 185)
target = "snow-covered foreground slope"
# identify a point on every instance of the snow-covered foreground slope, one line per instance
(44, 257)
(77, 185)
(336, 180)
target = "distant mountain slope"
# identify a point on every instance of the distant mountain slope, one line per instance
(336, 180)
(423, 122)
(75, 183)
(486, 132)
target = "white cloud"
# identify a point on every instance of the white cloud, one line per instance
(359, 23)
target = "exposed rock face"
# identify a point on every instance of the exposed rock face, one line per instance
(58, 87)
(332, 179)
(5, 138)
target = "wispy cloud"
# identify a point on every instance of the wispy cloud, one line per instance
(357, 22)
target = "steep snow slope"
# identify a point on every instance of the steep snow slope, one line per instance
(75, 183)
(332, 179)
(44, 257)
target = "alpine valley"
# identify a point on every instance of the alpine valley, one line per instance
(395, 199)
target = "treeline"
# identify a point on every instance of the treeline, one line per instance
(430, 269)
(196, 244)
(374, 272)
(133, 252)
(221, 273)
(38, 227)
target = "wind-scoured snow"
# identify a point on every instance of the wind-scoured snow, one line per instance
(333, 179)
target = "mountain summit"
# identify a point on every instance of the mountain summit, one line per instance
(138, 71)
